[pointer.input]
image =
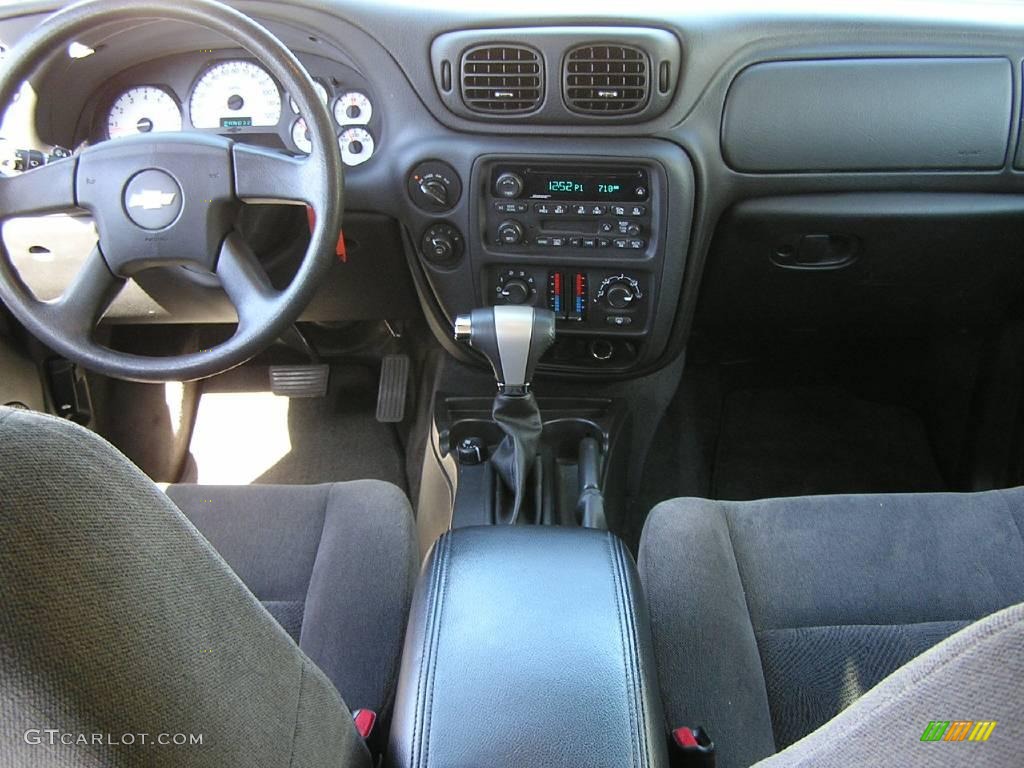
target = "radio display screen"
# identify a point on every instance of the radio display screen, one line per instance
(553, 183)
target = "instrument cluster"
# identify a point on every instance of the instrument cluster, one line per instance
(236, 96)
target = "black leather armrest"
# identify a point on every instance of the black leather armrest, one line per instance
(528, 646)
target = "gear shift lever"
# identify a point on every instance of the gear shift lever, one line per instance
(513, 340)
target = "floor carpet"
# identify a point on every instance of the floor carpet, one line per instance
(245, 434)
(811, 440)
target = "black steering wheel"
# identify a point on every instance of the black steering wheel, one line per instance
(167, 199)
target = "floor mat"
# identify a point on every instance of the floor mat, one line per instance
(809, 440)
(245, 434)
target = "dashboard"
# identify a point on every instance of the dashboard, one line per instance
(619, 166)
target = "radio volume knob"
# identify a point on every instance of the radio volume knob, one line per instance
(509, 185)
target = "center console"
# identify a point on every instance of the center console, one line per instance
(528, 646)
(596, 232)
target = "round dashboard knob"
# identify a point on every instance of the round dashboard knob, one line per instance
(509, 185)
(515, 291)
(510, 232)
(620, 296)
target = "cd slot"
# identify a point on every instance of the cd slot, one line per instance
(580, 227)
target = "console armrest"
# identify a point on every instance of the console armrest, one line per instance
(528, 646)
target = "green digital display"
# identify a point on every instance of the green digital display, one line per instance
(565, 185)
(610, 184)
(236, 122)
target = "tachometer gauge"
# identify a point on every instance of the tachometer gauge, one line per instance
(320, 91)
(301, 138)
(353, 108)
(235, 94)
(143, 109)
(356, 146)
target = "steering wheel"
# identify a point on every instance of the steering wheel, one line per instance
(168, 199)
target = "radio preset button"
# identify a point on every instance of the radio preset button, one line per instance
(559, 209)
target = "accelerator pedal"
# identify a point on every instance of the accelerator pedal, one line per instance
(299, 380)
(394, 384)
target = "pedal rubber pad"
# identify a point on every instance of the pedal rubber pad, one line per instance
(299, 380)
(394, 383)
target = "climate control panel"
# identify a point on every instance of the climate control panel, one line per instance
(581, 298)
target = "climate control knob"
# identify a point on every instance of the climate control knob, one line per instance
(509, 185)
(620, 292)
(510, 232)
(515, 286)
(515, 292)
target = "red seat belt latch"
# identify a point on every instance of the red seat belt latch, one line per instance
(692, 748)
(364, 720)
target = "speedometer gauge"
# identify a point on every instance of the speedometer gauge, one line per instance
(143, 109)
(235, 94)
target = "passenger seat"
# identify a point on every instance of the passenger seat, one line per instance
(772, 617)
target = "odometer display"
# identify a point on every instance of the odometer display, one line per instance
(235, 94)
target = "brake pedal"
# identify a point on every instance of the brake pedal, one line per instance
(299, 380)
(394, 383)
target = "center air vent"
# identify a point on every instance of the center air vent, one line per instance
(606, 79)
(502, 79)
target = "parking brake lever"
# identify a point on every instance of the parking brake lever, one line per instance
(513, 340)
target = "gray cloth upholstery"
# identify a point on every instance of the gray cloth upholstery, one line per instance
(335, 564)
(772, 616)
(119, 618)
(977, 674)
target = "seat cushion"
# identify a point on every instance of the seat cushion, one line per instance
(335, 564)
(772, 616)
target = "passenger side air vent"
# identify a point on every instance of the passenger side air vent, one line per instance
(502, 79)
(606, 79)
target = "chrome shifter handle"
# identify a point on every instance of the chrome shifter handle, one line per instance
(511, 338)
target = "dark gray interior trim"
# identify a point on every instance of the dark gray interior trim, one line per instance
(869, 114)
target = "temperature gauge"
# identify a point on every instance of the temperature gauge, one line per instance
(356, 146)
(353, 108)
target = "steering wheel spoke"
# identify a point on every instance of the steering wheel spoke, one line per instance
(246, 283)
(79, 310)
(268, 176)
(47, 189)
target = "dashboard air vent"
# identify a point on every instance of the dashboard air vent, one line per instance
(502, 79)
(606, 79)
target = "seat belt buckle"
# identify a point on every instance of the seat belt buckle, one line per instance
(364, 720)
(692, 748)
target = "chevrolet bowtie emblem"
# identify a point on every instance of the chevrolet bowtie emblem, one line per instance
(151, 199)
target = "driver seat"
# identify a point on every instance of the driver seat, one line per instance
(121, 620)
